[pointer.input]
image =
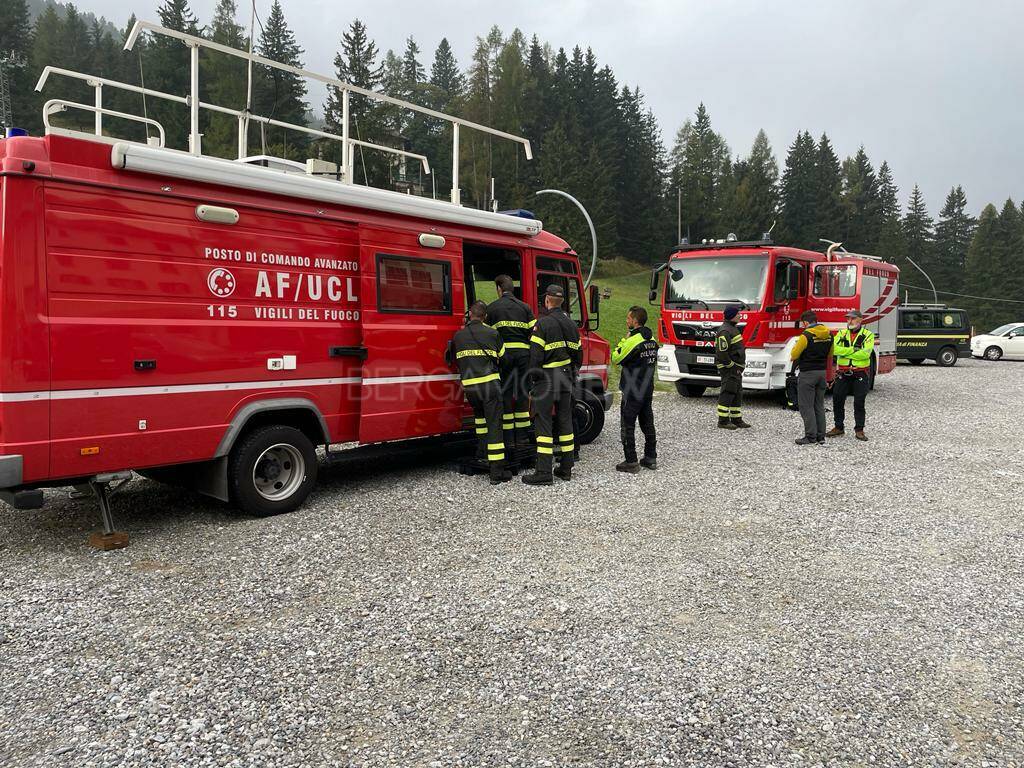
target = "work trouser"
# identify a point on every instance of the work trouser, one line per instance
(730, 397)
(516, 397)
(811, 386)
(552, 419)
(485, 400)
(632, 409)
(858, 384)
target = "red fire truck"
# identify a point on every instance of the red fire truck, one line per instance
(163, 308)
(773, 285)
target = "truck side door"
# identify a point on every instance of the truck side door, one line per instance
(412, 304)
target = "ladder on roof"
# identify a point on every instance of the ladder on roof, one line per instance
(244, 117)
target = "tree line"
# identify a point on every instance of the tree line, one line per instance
(592, 136)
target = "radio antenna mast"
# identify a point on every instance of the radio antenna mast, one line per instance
(9, 60)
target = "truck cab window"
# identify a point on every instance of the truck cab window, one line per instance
(571, 288)
(916, 320)
(836, 280)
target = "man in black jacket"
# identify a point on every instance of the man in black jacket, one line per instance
(513, 320)
(638, 355)
(555, 357)
(478, 354)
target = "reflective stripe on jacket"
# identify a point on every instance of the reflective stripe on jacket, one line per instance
(855, 352)
(478, 351)
(513, 319)
(555, 342)
(730, 351)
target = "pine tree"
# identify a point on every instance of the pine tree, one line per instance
(510, 84)
(891, 243)
(828, 208)
(16, 39)
(445, 93)
(357, 65)
(919, 237)
(167, 68)
(1007, 263)
(756, 200)
(281, 95)
(860, 203)
(224, 81)
(698, 173)
(797, 225)
(446, 77)
(983, 277)
(953, 236)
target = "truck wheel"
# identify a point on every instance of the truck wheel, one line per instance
(588, 417)
(993, 353)
(917, 360)
(947, 357)
(272, 470)
(690, 390)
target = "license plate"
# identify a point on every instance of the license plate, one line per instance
(705, 359)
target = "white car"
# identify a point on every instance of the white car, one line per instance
(1005, 341)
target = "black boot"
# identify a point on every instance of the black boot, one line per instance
(564, 471)
(538, 479)
(498, 473)
(739, 423)
(647, 463)
(726, 424)
(632, 467)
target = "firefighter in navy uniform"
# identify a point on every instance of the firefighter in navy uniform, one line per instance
(730, 358)
(555, 357)
(513, 320)
(637, 354)
(479, 354)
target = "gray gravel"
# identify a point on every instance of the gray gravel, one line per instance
(747, 604)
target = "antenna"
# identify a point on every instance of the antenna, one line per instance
(8, 60)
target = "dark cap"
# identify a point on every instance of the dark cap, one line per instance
(555, 290)
(855, 313)
(731, 312)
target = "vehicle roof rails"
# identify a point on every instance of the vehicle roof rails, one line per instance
(716, 246)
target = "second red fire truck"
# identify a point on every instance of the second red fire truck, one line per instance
(773, 285)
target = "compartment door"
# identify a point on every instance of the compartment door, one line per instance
(412, 302)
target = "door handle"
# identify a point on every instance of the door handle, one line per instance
(360, 352)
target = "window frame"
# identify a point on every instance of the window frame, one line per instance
(446, 288)
(924, 312)
(569, 278)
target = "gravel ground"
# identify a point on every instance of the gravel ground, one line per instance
(751, 603)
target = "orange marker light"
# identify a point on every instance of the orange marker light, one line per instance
(91, 451)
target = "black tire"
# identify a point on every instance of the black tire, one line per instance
(917, 360)
(947, 357)
(993, 353)
(272, 470)
(686, 389)
(587, 417)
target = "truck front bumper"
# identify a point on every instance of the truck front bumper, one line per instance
(764, 370)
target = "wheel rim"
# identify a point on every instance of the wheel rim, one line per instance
(583, 419)
(992, 353)
(278, 472)
(947, 357)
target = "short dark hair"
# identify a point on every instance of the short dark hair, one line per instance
(639, 314)
(505, 283)
(808, 317)
(478, 310)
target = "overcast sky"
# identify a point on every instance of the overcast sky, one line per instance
(936, 87)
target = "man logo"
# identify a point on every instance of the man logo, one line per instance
(221, 282)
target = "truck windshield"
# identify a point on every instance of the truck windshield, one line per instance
(721, 280)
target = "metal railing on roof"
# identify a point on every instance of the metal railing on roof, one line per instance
(245, 117)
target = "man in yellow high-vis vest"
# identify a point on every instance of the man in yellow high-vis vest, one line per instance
(852, 349)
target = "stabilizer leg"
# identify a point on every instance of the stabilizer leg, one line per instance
(109, 539)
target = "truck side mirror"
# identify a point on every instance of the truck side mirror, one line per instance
(652, 297)
(594, 319)
(654, 277)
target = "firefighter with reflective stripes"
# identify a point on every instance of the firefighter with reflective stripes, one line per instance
(555, 357)
(478, 352)
(851, 348)
(513, 320)
(730, 358)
